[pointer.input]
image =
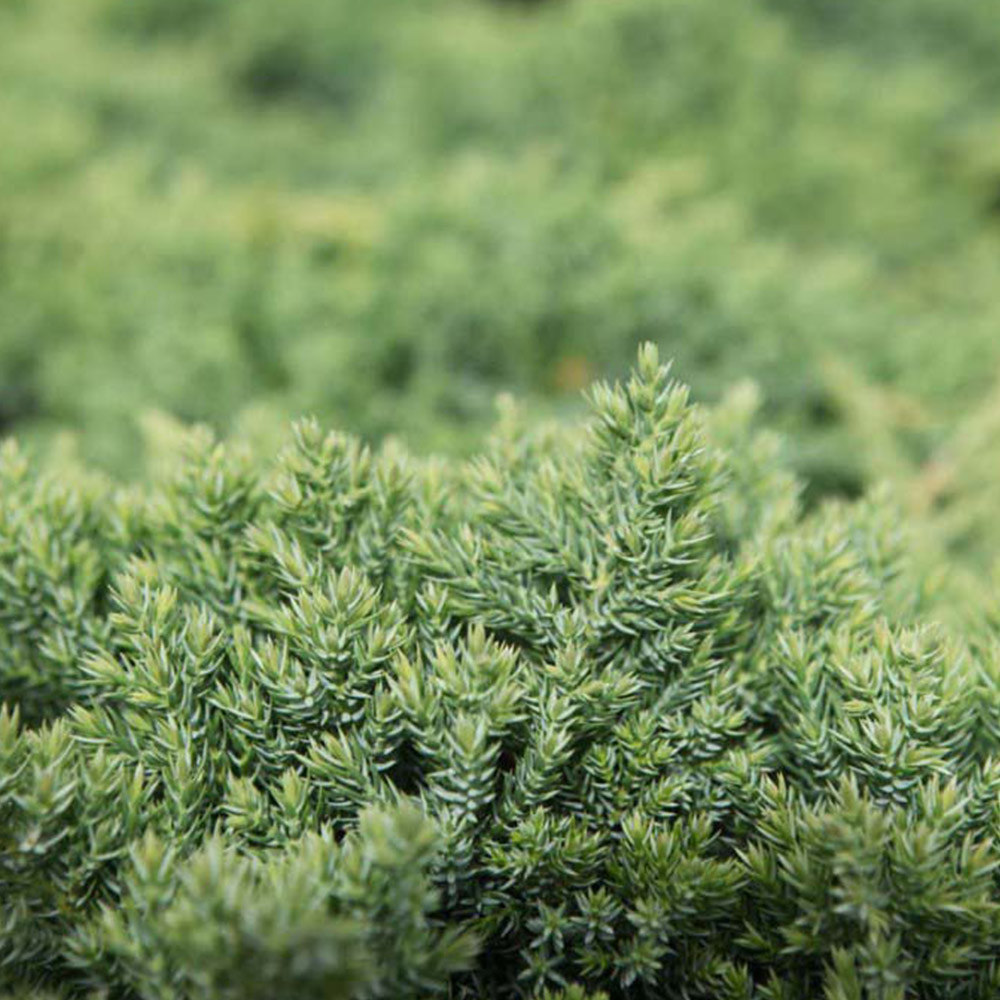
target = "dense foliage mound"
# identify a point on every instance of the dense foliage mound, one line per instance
(600, 711)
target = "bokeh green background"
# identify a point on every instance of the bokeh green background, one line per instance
(386, 212)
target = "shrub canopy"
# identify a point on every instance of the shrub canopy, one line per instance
(600, 711)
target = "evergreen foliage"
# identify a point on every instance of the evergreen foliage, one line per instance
(600, 713)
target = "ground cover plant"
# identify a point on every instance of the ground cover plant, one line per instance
(386, 218)
(600, 712)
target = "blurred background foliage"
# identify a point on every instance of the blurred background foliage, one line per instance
(385, 213)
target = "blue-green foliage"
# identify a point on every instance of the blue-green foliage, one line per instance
(600, 712)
